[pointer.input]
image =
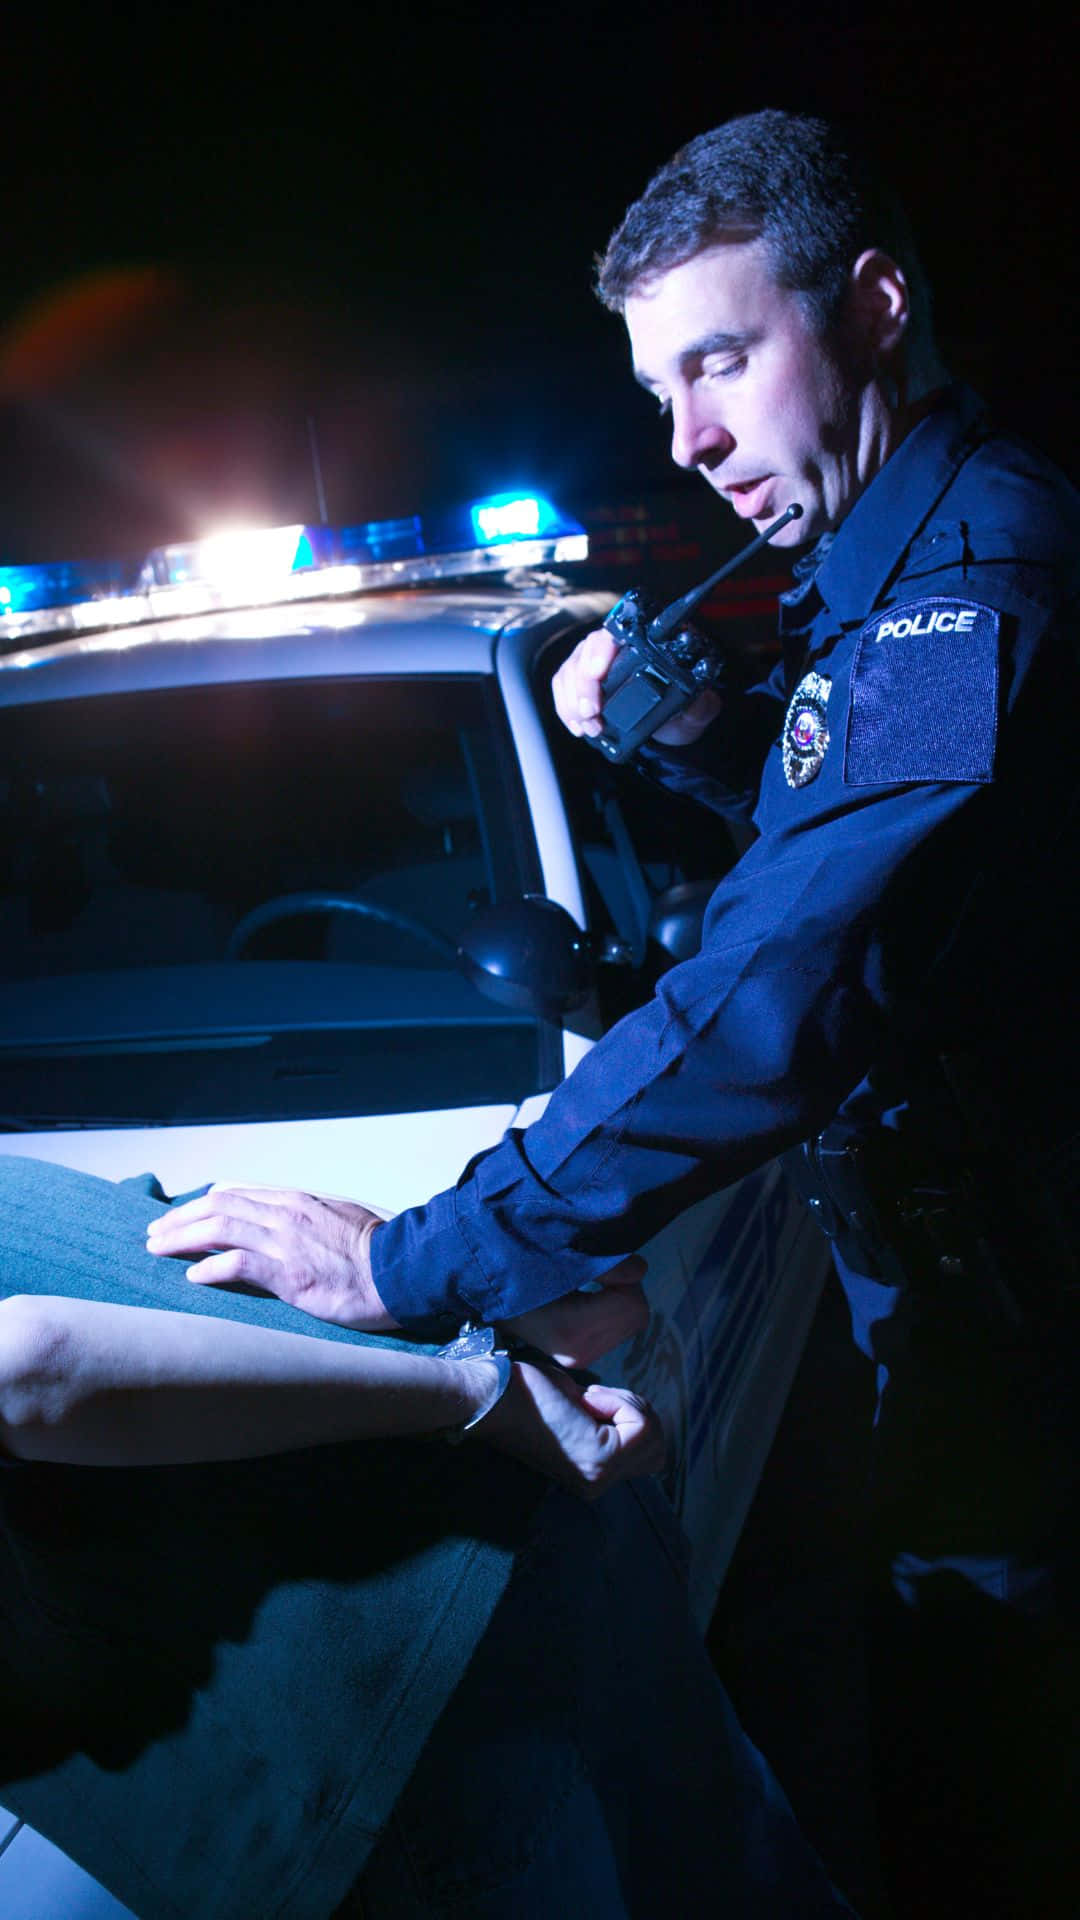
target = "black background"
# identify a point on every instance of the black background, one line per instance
(218, 226)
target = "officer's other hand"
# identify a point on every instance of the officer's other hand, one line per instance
(586, 1439)
(309, 1250)
(578, 692)
(579, 1327)
(686, 727)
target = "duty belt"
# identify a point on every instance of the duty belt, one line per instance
(935, 1225)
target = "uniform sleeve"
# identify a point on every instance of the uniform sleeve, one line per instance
(833, 917)
(745, 1050)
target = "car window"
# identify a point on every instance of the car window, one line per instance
(242, 901)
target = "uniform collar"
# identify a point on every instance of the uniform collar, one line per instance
(872, 539)
(801, 604)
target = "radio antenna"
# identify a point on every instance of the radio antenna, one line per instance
(674, 615)
(316, 470)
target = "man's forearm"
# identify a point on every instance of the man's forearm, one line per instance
(92, 1384)
(96, 1384)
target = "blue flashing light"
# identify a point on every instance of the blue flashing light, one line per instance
(379, 540)
(516, 516)
(27, 589)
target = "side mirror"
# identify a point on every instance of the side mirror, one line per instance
(528, 954)
(677, 917)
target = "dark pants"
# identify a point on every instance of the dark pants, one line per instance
(974, 1622)
(975, 1714)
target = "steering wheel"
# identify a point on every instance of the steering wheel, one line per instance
(286, 905)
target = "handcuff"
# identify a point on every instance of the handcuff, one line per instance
(476, 1342)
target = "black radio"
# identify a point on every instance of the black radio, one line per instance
(663, 662)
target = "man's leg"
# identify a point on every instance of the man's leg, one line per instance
(589, 1754)
(590, 1761)
(215, 1680)
(65, 1232)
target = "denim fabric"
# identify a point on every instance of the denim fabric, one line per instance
(590, 1761)
(215, 1681)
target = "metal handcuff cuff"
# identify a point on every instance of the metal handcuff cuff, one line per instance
(478, 1343)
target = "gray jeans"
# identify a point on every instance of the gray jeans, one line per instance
(221, 1684)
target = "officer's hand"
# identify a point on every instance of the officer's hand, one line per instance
(578, 687)
(579, 1327)
(311, 1251)
(586, 1440)
(578, 692)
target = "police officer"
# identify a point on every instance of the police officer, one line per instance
(884, 983)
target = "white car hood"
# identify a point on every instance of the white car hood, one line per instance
(389, 1160)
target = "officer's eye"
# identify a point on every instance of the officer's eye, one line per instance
(663, 404)
(726, 369)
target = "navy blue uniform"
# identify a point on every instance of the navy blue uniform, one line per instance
(910, 768)
(905, 808)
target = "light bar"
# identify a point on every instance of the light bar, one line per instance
(255, 566)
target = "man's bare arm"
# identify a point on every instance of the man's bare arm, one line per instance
(102, 1385)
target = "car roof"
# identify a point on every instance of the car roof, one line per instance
(409, 632)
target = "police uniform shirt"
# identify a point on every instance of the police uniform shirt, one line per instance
(913, 764)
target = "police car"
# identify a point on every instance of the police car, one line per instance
(302, 883)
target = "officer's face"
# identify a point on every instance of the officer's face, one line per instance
(759, 403)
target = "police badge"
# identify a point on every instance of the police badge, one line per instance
(805, 734)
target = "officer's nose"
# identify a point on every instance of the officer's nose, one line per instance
(696, 438)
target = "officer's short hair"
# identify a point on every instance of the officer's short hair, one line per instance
(784, 178)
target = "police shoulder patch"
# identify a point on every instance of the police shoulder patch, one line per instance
(924, 694)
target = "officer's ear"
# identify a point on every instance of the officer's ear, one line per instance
(879, 302)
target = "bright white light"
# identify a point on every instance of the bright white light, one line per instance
(188, 596)
(250, 559)
(118, 610)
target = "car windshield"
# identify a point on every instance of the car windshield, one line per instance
(241, 902)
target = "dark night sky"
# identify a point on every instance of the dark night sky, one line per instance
(388, 224)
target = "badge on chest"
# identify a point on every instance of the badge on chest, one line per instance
(806, 733)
